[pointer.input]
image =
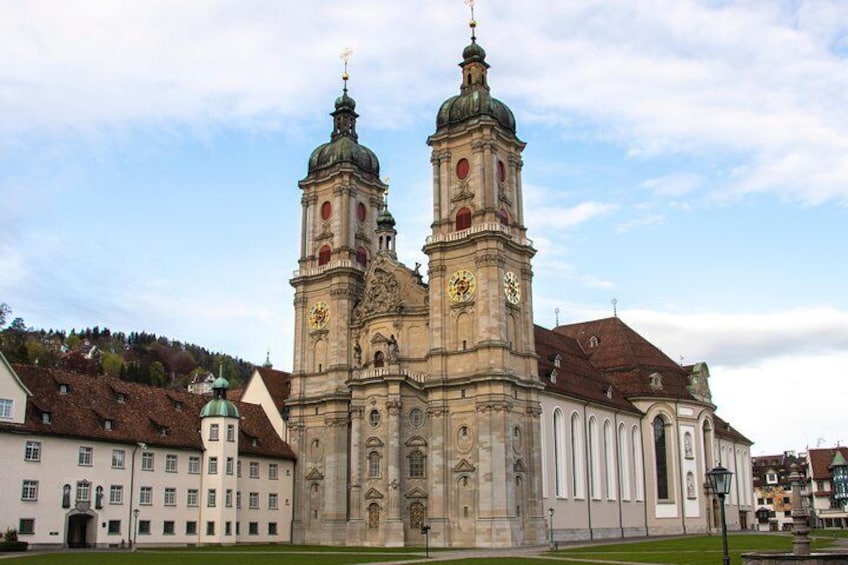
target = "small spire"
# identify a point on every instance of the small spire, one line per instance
(386, 180)
(267, 363)
(473, 23)
(614, 303)
(345, 56)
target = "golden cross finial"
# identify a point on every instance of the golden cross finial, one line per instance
(473, 22)
(386, 193)
(345, 56)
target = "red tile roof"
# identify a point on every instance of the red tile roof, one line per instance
(142, 416)
(820, 460)
(628, 359)
(278, 384)
(724, 430)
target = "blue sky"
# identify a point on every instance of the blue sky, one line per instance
(689, 159)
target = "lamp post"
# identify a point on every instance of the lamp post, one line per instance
(719, 478)
(425, 529)
(136, 512)
(551, 514)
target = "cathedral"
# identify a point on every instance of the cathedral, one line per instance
(432, 405)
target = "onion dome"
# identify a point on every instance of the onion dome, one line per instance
(474, 99)
(344, 146)
(219, 405)
(385, 220)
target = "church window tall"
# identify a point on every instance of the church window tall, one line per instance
(661, 458)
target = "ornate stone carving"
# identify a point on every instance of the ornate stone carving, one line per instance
(463, 194)
(488, 259)
(393, 406)
(382, 294)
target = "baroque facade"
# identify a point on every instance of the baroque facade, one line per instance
(441, 403)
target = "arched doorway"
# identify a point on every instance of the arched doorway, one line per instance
(81, 530)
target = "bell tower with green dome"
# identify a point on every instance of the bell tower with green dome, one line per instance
(482, 355)
(219, 429)
(342, 195)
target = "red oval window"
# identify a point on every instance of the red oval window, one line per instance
(501, 172)
(360, 211)
(463, 168)
(326, 210)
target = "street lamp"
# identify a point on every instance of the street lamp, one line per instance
(143, 446)
(425, 529)
(551, 513)
(719, 478)
(136, 512)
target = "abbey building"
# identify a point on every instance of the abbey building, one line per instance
(437, 401)
(417, 402)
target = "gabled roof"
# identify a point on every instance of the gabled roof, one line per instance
(724, 430)
(79, 413)
(278, 384)
(820, 460)
(628, 359)
(576, 376)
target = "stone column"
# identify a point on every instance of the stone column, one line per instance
(800, 529)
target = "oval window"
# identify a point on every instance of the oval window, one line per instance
(326, 210)
(463, 167)
(360, 212)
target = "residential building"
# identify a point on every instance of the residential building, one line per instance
(828, 493)
(773, 489)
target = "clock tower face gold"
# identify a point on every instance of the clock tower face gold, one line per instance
(462, 286)
(512, 288)
(319, 315)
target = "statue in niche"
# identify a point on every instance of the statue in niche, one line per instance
(690, 486)
(374, 515)
(687, 446)
(66, 496)
(394, 350)
(357, 355)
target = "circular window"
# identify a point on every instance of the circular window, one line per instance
(416, 418)
(360, 212)
(516, 439)
(326, 210)
(374, 418)
(464, 439)
(501, 172)
(463, 167)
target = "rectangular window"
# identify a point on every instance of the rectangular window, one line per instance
(29, 490)
(86, 456)
(32, 451)
(787, 513)
(194, 465)
(253, 528)
(114, 527)
(191, 528)
(238, 499)
(228, 498)
(6, 408)
(238, 528)
(210, 498)
(191, 497)
(213, 465)
(238, 468)
(272, 501)
(170, 496)
(118, 458)
(210, 528)
(253, 500)
(116, 494)
(26, 526)
(213, 432)
(144, 527)
(146, 461)
(272, 528)
(254, 470)
(229, 465)
(761, 501)
(145, 496)
(170, 463)
(231, 432)
(83, 491)
(168, 527)
(273, 471)
(785, 500)
(228, 529)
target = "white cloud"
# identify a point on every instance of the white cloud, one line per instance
(675, 184)
(640, 222)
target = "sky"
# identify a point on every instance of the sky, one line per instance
(687, 159)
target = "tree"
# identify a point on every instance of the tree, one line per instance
(112, 364)
(73, 341)
(157, 373)
(5, 312)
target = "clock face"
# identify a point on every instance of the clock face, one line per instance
(319, 315)
(461, 286)
(512, 288)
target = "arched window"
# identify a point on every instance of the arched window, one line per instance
(379, 359)
(638, 466)
(661, 458)
(373, 464)
(324, 255)
(594, 460)
(609, 462)
(361, 256)
(623, 462)
(463, 219)
(577, 474)
(416, 465)
(559, 448)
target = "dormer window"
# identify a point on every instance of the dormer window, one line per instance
(771, 478)
(608, 392)
(121, 398)
(108, 424)
(163, 431)
(594, 342)
(254, 442)
(655, 381)
(45, 417)
(178, 405)
(64, 389)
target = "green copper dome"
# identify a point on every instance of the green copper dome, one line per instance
(344, 144)
(385, 219)
(474, 99)
(219, 405)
